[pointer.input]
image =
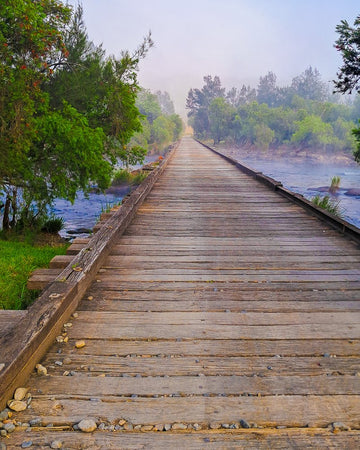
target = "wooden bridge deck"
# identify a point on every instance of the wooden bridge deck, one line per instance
(222, 307)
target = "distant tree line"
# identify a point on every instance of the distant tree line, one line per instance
(304, 114)
(68, 111)
(160, 124)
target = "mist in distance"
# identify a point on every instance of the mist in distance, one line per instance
(238, 40)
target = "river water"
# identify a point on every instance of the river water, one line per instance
(305, 177)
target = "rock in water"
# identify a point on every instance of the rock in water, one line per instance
(87, 425)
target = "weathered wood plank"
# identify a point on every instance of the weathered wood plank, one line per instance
(249, 439)
(106, 387)
(207, 347)
(165, 365)
(270, 411)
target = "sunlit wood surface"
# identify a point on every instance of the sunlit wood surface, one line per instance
(223, 305)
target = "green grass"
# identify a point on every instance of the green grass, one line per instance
(17, 261)
(329, 204)
(123, 176)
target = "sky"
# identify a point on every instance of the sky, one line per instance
(238, 40)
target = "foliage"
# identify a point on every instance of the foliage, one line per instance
(348, 44)
(67, 110)
(17, 261)
(301, 115)
(53, 225)
(329, 204)
(335, 184)
(124, 176)
(159, 128)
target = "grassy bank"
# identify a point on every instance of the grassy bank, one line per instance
(17, 261)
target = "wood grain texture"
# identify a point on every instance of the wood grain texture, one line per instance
(220, 301)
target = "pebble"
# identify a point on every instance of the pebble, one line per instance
(35, 422)
(167, 427)
(214, 426)
(17, 405)
(26, 444)
(75, 315)
(3, 433)
(2, 446)
(56, 444)
(80, 344)
(4, 414)
(122, 422)
(197, 427)
(340, 426)
(326, 355)
(101, 426)
(128, 427)
(9, 427)
(159, 427)
(87, 425)
(41, 370)
(244, 423)
(179, 426)
(225, 425)
(137, 427)
(58, 363)
(20, 393)
(147, 428)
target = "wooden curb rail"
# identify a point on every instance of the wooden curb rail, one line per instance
(22, 346)
(340, 225)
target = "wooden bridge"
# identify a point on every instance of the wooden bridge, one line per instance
(220, 315)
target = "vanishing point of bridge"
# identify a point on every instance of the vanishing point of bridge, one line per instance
(223, 316)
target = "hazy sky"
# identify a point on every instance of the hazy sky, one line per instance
(238, 40)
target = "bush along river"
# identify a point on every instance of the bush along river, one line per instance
(311, 178)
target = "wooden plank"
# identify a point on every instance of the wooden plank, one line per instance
(211, 331)
(9, 319)
(209, 348)
(128, 319)
(249, 439)
(269, 411)
(118, 301)
(105, 388)
(82, 363)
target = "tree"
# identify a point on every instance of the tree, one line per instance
(220, 115)
(67, 113)
(348, 44)
(309, 85)
(267, 91)
(31, 46)
(198, 102)
(165, 102)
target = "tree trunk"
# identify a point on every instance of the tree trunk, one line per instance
(6, 217)
(14, 208)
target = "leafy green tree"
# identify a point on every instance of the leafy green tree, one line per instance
(312, 132)
(31, 45)
(198, 102)
(348, 44)
(68, 112)
(267, 91)
(220, 116)
(148, 105)
(309, 85)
